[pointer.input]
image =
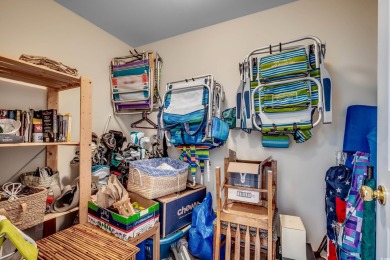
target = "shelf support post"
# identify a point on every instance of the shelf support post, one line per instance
(85, 147)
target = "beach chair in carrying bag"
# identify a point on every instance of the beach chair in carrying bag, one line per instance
(135, 81)
(287, 84)
(190, 117)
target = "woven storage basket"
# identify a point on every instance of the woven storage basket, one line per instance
(28, 211)
(149, 182)
(28, 179)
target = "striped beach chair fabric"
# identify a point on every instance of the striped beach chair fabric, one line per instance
(135, 82)
(286, 89)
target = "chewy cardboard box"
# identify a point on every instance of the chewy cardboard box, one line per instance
(293, 237)
(125, 227)
(176, 209)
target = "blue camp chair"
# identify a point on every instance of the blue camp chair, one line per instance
(190, 117)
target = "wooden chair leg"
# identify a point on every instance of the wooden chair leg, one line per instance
(156, 244)
(217, 243)
(247, 244)
(257, 245)
(269, 245)
(274, 250)
(217, 234)
(237, 242)
(228, 242)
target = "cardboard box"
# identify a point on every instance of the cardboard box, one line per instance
(176, 209)
(293, 237)
(125, 227)
(244, 195)
(246, 175)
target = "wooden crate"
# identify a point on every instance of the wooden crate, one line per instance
(84, 242)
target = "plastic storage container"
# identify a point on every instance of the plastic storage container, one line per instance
(141, 253)
(165, 243)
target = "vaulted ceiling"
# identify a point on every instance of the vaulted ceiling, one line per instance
(144, 21)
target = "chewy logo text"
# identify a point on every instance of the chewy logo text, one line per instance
(187, 208)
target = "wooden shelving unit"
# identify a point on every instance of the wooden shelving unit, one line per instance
(55, 82)
(51, 216)
(40, 144)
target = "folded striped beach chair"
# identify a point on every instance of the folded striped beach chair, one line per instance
(286, 85)
(135, 83)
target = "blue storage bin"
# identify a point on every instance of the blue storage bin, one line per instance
(141, 254)
(165, 243)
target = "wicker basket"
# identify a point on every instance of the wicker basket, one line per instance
(155, 186)
(28, 179)
(28, 211)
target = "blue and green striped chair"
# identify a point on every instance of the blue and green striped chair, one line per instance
(285, 94)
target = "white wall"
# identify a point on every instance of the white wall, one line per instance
(349, 29)
(45, 28)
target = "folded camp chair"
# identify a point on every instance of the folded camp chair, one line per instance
(190, 117)
(135, 81)
(284, 108)
(285, 84)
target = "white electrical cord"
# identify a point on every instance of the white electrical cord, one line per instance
(12, 190)
(107, 123)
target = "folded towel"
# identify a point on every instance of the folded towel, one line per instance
(69, 197)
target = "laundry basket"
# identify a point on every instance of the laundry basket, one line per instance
(150, 179)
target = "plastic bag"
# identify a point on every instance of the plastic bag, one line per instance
(202, 230)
